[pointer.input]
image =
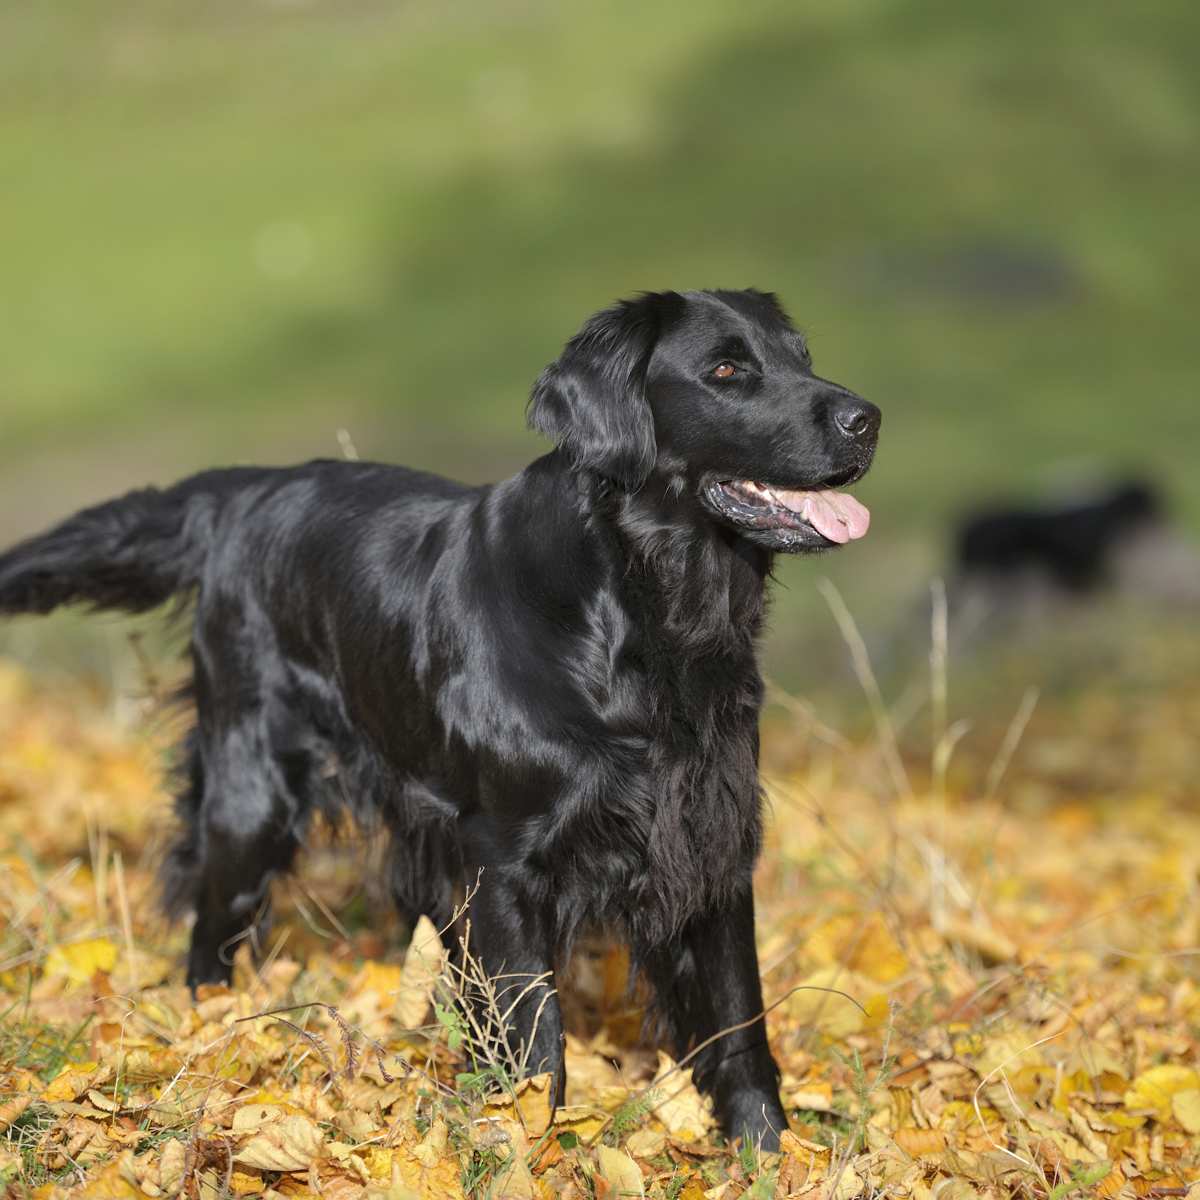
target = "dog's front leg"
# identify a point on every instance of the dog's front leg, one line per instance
(508, 971)
(708, 987)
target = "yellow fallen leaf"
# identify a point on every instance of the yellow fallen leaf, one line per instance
(1153, 1089)
(113, 1182)
(1071, 1083)
(21, 1088)
(290, 1144)
(244, 1183)
(847, 1184)
(77, 962)
(591, 1076)
(879, 1010)
(394, 1188)
(432, 1147)
(991, 945)
(103, 1102)
(864, 945)
(1186, 1107)
(826, 1001)
(514, 1181)
(918, 1142)
(423, 964)
(646, 1143)
(816, 1096)
(806, 1152)
(953, 1189)
(678, 1106)
(76, 1142)
(283, 1101)
(10, 1110)
(620, 1171)
(171, 1166)
(403, 1175)
(146, 971)
(356, 1124)
(74, 1080)
(1008, 1052)
(583, 1120)
(211, 1186)
(249, 1118)
(1111, 1184)
(380, 978)
(528, 1105)
(1067, 1148)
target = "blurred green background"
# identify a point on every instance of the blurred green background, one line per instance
(232, 229)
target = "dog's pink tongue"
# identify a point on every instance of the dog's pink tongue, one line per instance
(836, 515)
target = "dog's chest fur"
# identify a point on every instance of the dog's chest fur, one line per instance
(673, 820)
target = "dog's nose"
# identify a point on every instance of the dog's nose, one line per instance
(856, 418)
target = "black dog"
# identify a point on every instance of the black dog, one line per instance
(548, 684)
(1072, 545)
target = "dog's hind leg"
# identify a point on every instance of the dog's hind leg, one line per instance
(180, 870)
(247, 831)
(251, 787)
(425, 867)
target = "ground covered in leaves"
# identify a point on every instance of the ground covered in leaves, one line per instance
(981, 985)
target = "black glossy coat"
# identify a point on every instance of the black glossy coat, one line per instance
(548, 684)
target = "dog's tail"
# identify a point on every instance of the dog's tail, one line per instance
(133, 553)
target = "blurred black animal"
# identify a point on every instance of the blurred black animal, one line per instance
(548, 684)
(1072, 545)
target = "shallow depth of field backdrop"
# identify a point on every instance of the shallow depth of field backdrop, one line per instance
(230, 231)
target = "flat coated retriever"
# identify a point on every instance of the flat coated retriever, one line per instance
(547, 685)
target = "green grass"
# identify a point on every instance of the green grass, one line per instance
(232, 229)
(45, 1049)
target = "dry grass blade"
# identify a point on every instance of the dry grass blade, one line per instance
(999, 1070)
(126, 916)
(938, 668)
(861, 662)
(806, 713)
(1012, 739)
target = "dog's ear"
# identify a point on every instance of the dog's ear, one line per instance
(592, 401)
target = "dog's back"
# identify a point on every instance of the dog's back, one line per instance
(139, 550)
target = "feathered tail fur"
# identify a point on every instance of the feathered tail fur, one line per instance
(133, 553)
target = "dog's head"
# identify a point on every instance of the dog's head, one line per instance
(712, 395)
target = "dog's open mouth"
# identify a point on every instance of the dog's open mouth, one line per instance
(836, 516)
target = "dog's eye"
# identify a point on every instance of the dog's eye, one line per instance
(724, 370)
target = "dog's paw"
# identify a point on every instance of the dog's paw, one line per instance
(756, 1118)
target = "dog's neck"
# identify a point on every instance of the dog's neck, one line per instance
(704, 586)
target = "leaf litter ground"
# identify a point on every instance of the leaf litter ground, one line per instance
(972, 994)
